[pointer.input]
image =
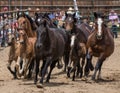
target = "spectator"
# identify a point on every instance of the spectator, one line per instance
(113, 17)
(61, 19)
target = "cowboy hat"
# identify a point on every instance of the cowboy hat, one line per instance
(70, 10)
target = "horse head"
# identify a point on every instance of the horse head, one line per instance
(69, 22)
(42, 34)
(23, 22)
(38, 17)
(22, 36)
(99, 25)
(26, 23)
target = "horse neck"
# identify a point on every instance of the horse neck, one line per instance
(82, 31)
(26, 42)
(29, 32)
(48, 37)
(74, 29)
(81, 36)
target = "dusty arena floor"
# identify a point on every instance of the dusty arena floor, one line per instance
(59, 83)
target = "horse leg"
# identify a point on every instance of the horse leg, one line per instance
(59, 65)
(78, 68)
(98, 66)
(82, 64)
(21, 67)
(69, 68)
(48, 62)
(66, 60)
(74, 69)
(52, 66)
(91, 65)
(27, 63)
(9, 66)
(37, 63)
(99, 73)
(43, 65)
(31, 66)
(17, 66)
(87, 66)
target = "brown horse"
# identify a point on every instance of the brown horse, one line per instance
(83, 30)
(77, 52)
(13, 55)
(100, 44)
(28, 25)
(26, 51)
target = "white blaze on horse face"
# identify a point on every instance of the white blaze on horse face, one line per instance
(99, 22)
(38, 19)
(72, 40)
(70, 19)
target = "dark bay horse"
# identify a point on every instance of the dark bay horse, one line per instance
(50, 46)
(83, 30)
(77, 53)
(100, 44)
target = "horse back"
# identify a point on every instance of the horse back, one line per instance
(57, 43)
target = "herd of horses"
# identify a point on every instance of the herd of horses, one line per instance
(40, 41)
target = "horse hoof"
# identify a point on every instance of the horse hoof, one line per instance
(83, 78)
(39, 85)
(90, 81)
(47, 81)
(68, 75)
(35, 81)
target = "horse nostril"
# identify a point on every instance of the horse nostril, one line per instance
(39, 46)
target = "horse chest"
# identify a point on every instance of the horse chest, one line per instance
(98, 48)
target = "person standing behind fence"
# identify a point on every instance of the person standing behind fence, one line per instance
(113, 17)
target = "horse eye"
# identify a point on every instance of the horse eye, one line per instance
(24, 22)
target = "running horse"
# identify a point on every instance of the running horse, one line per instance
(83, 30)
(100, 44)
(50, 46)
(25, 23)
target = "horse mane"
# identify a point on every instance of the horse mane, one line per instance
(85, 29)
(50, 21)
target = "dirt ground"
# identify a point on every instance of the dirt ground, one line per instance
(59, 83)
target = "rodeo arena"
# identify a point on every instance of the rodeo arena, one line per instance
(59, 46)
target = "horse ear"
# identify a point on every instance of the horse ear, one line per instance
(66, 15)
(44, 23)
(95, 15)
(23, 14)
(36, 14)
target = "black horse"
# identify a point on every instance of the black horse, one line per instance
(50, 46)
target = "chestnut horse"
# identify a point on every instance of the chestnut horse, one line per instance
(100, 44)
(26, 52)
(25, 23)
